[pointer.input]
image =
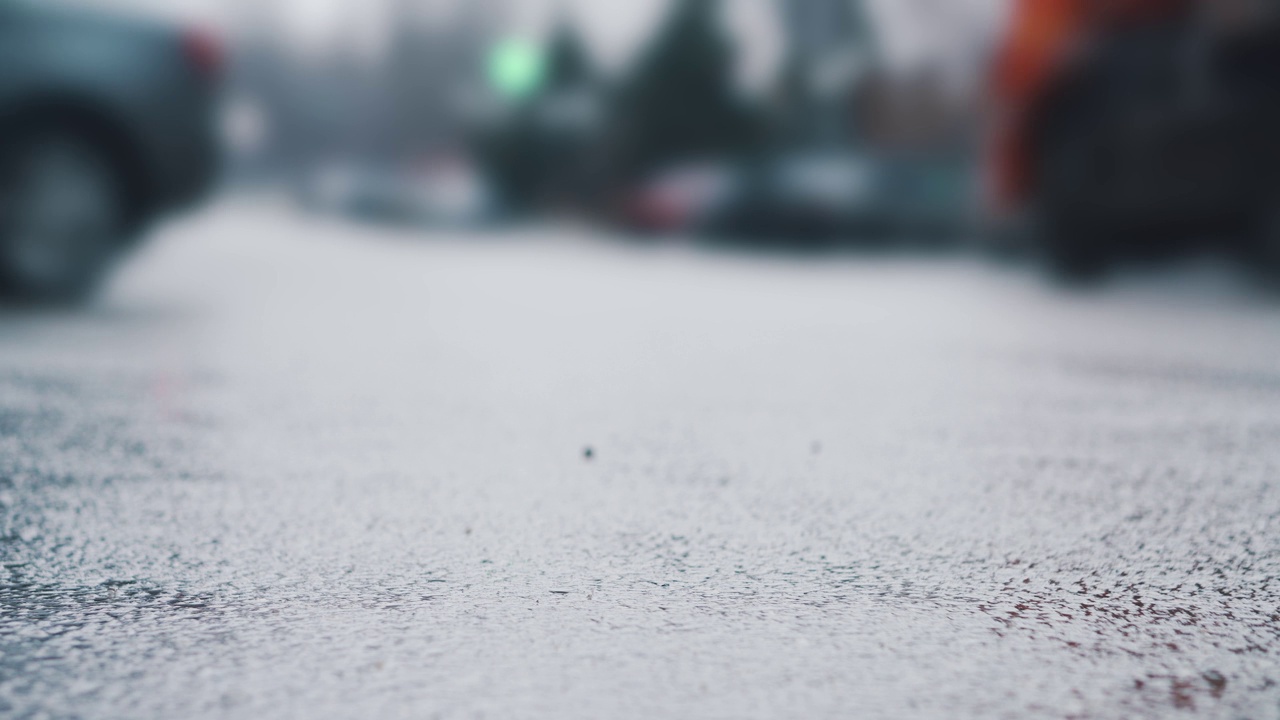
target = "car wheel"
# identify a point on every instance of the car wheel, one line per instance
(62, 216)
(1073, 251)
(1264, 248)
(1073, 234)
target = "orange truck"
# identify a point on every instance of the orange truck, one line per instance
(1136, 125)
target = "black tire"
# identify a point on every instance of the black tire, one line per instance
(1262, 251)
(63, 215)
(1074, 251)
(1074, 235)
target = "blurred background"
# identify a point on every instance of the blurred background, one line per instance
(1076, 131)
(800, 121)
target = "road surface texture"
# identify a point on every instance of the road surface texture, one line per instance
(289, 468)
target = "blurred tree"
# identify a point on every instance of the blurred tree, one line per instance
(832, 52)
(537, 156)
(568, 62)
(680, 103)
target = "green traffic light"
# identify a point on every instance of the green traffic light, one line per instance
(517, 68)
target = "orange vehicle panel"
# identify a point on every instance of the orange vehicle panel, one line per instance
(1042, 38)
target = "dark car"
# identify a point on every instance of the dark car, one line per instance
(1140, 126)
(106, 124)
(843, 197)
(805, 199)
(678, 199)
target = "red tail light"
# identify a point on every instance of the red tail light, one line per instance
(204, 52)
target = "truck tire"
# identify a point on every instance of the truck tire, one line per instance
(1074, 235)
(1263, 249)
(62, 215)
(1073, 250)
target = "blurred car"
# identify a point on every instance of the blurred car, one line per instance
(106, 123)
(678, 199)
(441, 193)
(354, 191)
(927, 198)
(804, 198)
(823, 198)
(1138, 126)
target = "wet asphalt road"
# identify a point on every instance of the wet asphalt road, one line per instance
(294, 469)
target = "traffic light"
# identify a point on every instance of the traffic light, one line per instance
(517, 68)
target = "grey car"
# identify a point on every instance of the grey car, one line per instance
(106, 123)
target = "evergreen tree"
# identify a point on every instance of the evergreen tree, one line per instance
(537, 156)
(568, 62)
(680, 102)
